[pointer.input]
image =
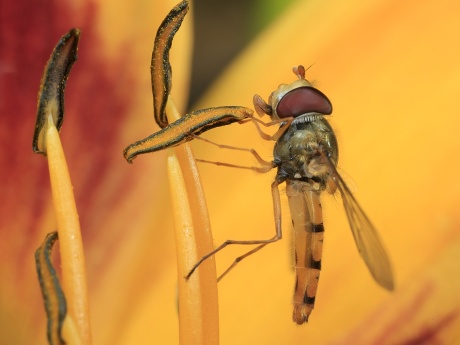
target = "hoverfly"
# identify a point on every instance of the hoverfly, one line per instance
(305, 156)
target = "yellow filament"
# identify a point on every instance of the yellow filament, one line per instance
(70, 332)
(70, 242)
(198, 304)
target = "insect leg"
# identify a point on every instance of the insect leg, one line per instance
(228, 165)
(261, 243)
(262, 162)
(240, 258)
(286, 123)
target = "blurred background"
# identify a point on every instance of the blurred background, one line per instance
(234, 24)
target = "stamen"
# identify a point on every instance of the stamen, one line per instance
(46, 141)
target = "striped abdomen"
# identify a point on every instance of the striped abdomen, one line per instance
(307, 218)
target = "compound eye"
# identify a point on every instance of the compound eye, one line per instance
(303, 100)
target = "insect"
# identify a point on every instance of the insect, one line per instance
(305, 156)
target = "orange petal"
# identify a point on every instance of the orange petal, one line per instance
(391, 71)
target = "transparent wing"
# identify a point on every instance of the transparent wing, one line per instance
(366, 237)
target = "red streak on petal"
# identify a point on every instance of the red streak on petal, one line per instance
(28, 32)
(407, 313)
(405, 321)
(430, 334)
(97, 98)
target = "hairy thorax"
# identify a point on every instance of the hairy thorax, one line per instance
(297, 154)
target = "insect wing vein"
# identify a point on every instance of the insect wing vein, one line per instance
(365, 234)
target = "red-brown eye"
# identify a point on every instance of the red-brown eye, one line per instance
(303, 100)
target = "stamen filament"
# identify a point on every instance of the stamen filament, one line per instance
(70, 241)
(198, 302)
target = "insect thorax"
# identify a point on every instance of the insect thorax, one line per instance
(297, 153)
